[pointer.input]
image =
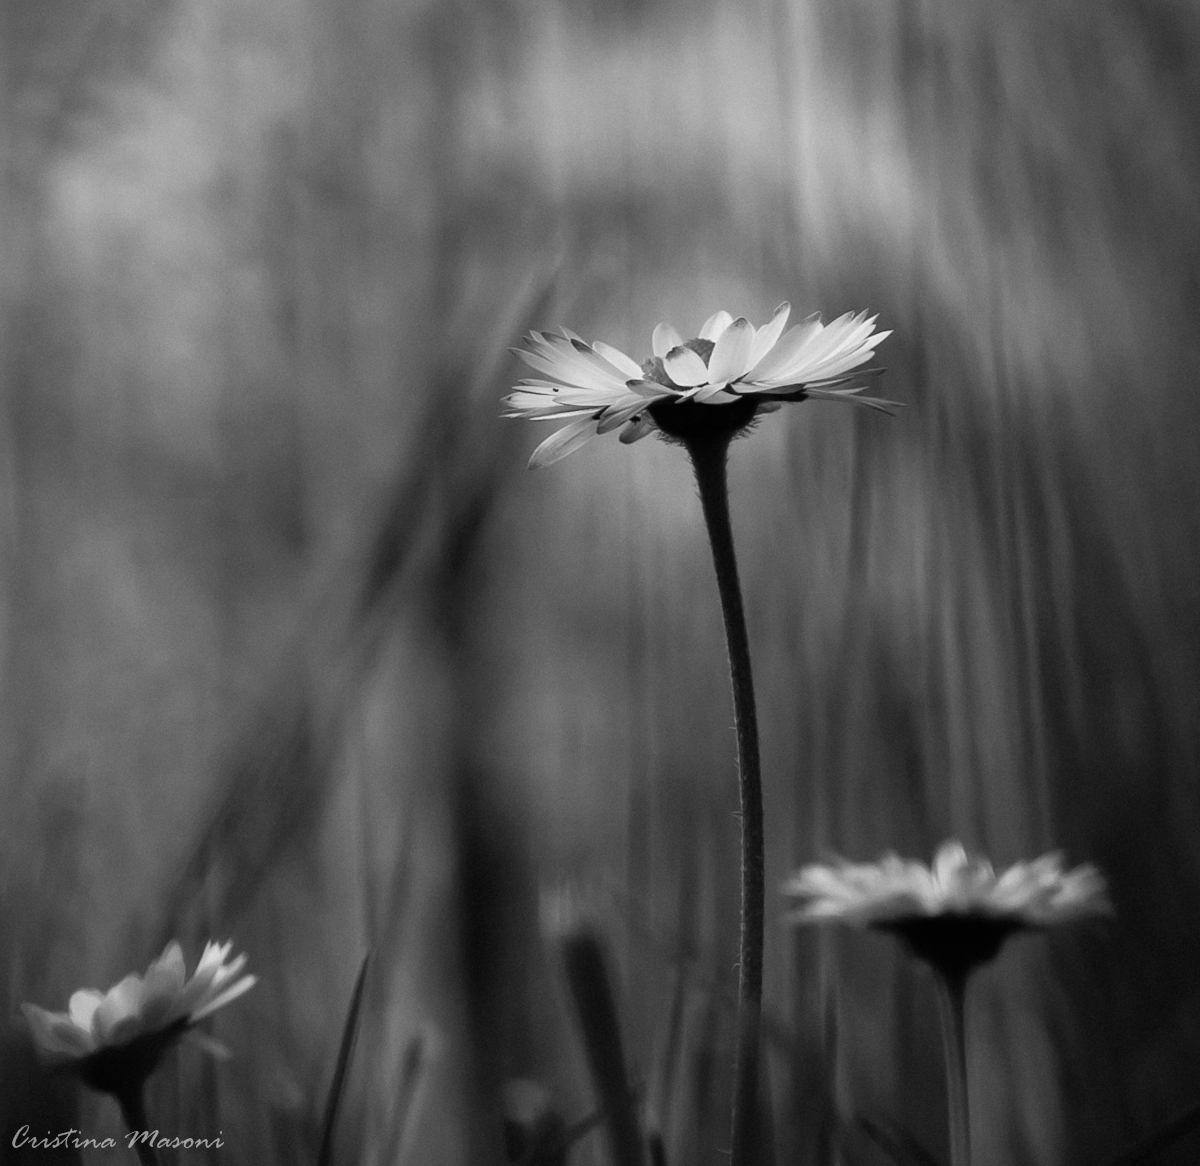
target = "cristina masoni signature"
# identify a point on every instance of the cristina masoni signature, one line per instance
(74, 1139)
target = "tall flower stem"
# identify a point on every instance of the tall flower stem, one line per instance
(709, 453)
(133, 1110)
(952, 986)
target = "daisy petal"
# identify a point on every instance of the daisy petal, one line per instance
(55, 1034)
(625, 365)
(650, 390)
(715, 325)
(664, 339)
(82, 1007)
(685, 368)
(565, 441)
(559, 413)
(949, 862)
(601, 366)
(843, 345)
(850, 396)
(784, 353)
(769, 333)
(118, 1014)
(567, 366)
(719, 394)
(201, 983)
(731, 353)
(219, 1001)
(168, 970)
(638, 428)
(616, 415)
(163, 988)
(225, 973)
(855, 346)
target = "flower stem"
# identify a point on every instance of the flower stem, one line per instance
(951, 995)
(133, 1110)
(709, 455)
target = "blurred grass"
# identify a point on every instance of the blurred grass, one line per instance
(294, 650)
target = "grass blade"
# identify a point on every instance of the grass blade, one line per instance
(591, 992)
(341, 1070)
(407, 1104)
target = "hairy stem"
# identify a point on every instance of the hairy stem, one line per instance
(133, 1110)
(951, 995)
(709, 455)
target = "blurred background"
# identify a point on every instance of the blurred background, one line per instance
(296, 652)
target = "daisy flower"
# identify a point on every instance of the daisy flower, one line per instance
(955, 916)
(115, 1039)
(701, 393)
(957, 912)
(718, 381)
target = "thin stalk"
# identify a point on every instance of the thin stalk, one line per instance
(951, 994)
(709, 455)
(133, 1110)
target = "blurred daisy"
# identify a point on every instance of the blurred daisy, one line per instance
(115, 1039)
(534, 1129)
(717, 381)
(956, 914)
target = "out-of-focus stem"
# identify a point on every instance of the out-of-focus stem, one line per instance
(951, 995)
(709, 455)
(591, 991)
(133, 1110)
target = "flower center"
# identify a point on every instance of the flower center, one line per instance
(693, 420)
(654, 370)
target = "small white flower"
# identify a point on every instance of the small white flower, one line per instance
(957, 912)
(139, 1006)
(1033, 894)
(730, 364)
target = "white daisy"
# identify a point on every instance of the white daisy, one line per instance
(731, 366)
(132, 1024)
(956, 913)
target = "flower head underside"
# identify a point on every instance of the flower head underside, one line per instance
(957, 912)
